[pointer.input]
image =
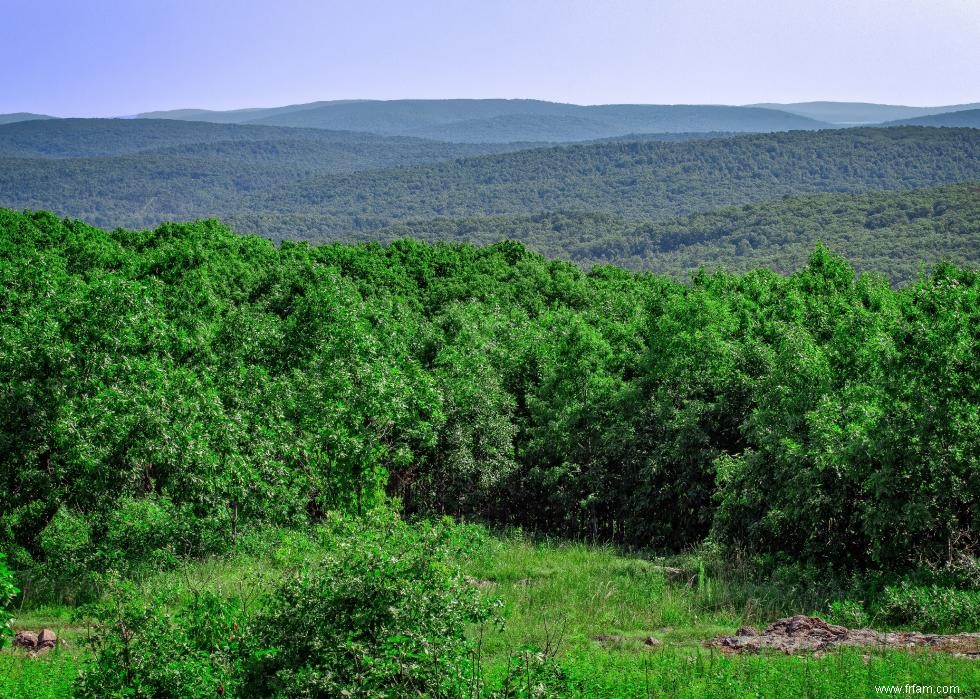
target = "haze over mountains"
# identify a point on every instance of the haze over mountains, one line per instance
(526, 120)
(969, 118)
(864, 113)
(22, 116)
(535, 120)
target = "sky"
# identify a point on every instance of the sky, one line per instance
(121, 57)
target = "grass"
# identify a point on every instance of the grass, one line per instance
(558, 597)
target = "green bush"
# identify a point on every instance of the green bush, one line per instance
(69, 561)
(7, 592)
(141, 532)
(934, 609)
(147, 648)
(847, 613)
(382, 615)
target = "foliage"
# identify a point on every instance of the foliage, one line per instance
(7, 593)
(556, 597)
(322, 186)
(383, 614)
(143, 648)
(893, 233)
(169, 390)
(931, 608)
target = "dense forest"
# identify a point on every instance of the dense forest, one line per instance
(645, 180)
(969, 118)
(216, 382)
(893, 233)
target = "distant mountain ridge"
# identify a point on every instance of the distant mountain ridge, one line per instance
(501, 120)
(863, 113)
(539, 121)
(22, 116)
(969, 118)
(74, 138)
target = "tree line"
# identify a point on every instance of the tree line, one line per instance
(166, 389)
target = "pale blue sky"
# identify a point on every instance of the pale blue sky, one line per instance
(116, 57)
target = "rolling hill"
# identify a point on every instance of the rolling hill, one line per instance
(287, 193)
(866, 113)
(635, 180)
(968, 118)
(494, 120)
(21, 116)
(66, 138)
(885, 232)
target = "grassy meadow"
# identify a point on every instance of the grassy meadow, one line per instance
(587, 609)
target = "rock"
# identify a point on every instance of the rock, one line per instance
(652, 642)
(25, 639)
(46, 639)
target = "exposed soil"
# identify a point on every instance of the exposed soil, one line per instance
(800, 634)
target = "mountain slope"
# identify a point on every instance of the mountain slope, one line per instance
(62, 138)
(501, 120)
(231, 116)
(281, 190)
(886, 232)
(528, 120)
(851, 113)
(22, 116)
(969, 118)
(642, 180)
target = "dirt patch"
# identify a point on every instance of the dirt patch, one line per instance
(800, 634)
(480, 584)
(607, 640)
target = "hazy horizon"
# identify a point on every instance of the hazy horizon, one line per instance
(109, 58)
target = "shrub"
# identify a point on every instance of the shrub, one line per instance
(933, 608)
(144, 648)
(68, 562)
(848, 613)
(7, 592)
(383, 614)
(141, 533)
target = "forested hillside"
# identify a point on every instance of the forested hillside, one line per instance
(893, 233)
(645, 180)
(636, 180)
(67, 138)
(967, 118)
